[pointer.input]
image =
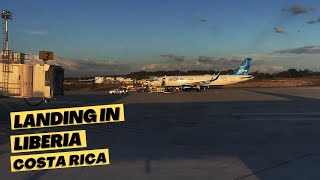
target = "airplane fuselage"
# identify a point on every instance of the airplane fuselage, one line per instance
(230, 79)
(177, 81)
(173, 81)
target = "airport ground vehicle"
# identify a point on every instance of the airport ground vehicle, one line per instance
(118, 91)
(157, 90)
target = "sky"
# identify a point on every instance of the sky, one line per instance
(125, 35)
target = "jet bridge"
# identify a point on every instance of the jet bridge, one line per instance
(21, 80)
(28, 80)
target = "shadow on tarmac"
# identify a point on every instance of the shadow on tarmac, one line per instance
(272, 147)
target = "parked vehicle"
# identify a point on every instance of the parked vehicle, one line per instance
(118, 91)
(132, 89)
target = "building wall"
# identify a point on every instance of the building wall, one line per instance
(99, 80)
(40, 89)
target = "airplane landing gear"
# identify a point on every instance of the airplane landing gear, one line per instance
(198, 89)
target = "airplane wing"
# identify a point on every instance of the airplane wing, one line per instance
(199, 83)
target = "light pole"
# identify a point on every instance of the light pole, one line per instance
(6, 15)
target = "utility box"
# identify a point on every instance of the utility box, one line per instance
(15, 57)
(19, 58)
(26, 80)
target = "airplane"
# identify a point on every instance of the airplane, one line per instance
(180, 81)
(241, 74)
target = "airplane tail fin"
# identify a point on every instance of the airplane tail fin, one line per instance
(244, 67)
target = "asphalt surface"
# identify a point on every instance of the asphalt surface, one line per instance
(227, 134)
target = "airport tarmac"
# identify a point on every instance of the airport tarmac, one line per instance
(221, 134)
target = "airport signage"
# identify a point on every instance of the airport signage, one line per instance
(76, 139)
(46, 55)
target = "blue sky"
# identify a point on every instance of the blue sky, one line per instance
(142, 30)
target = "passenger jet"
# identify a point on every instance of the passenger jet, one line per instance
(241, 74)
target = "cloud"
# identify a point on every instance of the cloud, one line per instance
(174, 57)
(278, 68)
(205, 59)
(37, 33)
(279, 30)
(261, 62)
(313, 21)
(87, 67)
(74, 68)
(204, 20)
(301, 50)
(298, 9)
(211, 63)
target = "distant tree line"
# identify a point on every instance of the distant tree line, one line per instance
(290, 73)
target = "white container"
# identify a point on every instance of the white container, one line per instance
(27, 81)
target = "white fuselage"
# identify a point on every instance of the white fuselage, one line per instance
(230, 79)
(175, 81)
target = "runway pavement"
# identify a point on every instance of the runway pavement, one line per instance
(227, 134)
